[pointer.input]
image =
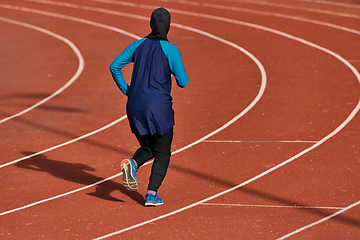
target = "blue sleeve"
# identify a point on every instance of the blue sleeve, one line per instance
(121, 61)
(176, 63)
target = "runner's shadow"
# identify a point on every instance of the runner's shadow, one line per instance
(78, 173)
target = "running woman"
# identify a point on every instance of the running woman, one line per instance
(149, 105)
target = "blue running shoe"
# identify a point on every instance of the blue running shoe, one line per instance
(151, 200)
(129, 174)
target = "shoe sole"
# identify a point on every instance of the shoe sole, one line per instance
(148, 204)
(128, 179)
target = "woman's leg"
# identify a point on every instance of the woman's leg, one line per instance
(144, 153)
(161, 149)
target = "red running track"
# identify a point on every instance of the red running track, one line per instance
(266, 138)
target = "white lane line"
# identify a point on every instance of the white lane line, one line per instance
(279, 15)
(279, 141)
(265, 3)
(261, 91)
(189, 13)
(338, 129)
(59, 196)
(348, 5)
(289, 160)
(186, 28)
(333, 133)
(68, 42)
(250, 106)
(77, 20)
(66, 143)
(285, 162)
(262, 70)
(267, 206)
(320, 221)
(70, 5)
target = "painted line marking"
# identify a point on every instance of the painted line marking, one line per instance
(71, 19)
(75, 19)
(285, 162)
(279, 141)
(334, 132)
(59, 196)
(279, 5)
(71, 81)
(279, 15)
(257, 98)
(267, 206)
(66, 143)
(262, 70)
(348, 5)
(320, 221)
(315, 145)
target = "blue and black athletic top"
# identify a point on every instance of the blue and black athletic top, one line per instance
(149, 105)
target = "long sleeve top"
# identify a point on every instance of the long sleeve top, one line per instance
(149, 105)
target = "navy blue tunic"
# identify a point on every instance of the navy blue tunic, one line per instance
(149, 105)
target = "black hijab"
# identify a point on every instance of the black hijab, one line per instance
(160, 24)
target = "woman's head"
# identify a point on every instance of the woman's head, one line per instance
(160, 24)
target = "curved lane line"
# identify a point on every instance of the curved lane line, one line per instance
(75, 19)
(306, 9)
(305, 42)
(348, 5)
(65, 143)
(72, 19)
(59, 196)
(320, 221)
(261, 91)
(280, 15)
(77, 74)
(338, 129)
(252, 104)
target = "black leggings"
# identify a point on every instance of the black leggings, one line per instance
(158, 147)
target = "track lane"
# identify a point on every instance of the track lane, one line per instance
(57, 127)
(352, 68)
(77, 74)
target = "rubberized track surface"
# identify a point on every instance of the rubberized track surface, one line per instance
(266, 139)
